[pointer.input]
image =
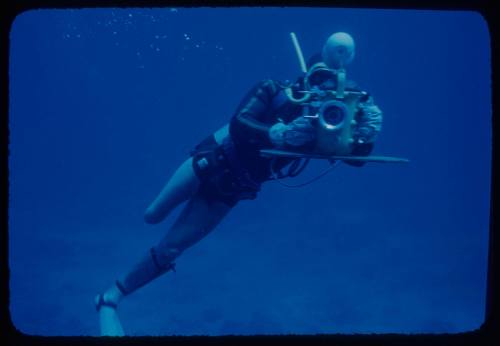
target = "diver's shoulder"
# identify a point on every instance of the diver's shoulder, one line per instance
(272, 86)
(352, 85)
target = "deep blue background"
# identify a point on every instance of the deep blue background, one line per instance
(105, 104)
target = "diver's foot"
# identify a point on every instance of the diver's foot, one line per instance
(108, 317)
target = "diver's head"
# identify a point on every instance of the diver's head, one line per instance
(338, 50)
(321, 76)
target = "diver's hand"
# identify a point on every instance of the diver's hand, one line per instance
(369, 122)
(297, 133)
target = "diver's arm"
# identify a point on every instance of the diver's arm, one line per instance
(369, 121)
(360, 150)
(253, 118)
(369, 124)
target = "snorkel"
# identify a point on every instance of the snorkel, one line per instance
(303, 68)
(298, 50)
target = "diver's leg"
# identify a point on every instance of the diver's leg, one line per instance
(196, 220)
(182, 185)
(108, 318)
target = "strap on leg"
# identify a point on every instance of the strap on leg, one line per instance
(101, 302)
(121, 288)
(146, 270)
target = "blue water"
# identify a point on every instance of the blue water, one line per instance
(106, 103)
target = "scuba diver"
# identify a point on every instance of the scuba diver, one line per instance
(276, 126)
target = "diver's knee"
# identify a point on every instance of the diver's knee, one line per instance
(165, 256)
(152, 217)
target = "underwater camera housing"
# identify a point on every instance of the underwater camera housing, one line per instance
(331, 110)
(334, 122)
(332, 115)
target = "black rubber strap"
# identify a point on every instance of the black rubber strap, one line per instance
(101, 302)
(121, 288)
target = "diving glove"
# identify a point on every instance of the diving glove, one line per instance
(369, 122)
(297, 133)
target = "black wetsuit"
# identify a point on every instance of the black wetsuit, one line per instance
(235, 170)
(230, 171)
